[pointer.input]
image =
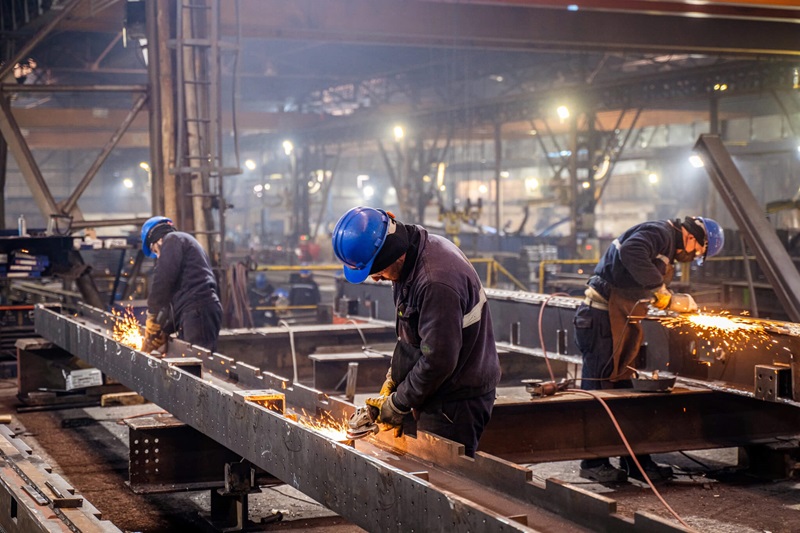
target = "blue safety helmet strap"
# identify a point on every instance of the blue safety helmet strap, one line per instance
(147, 227)
(715, 238)
(357, 239)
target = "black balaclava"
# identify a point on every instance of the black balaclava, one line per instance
(395, 245)
(696, 230)
(158, 231)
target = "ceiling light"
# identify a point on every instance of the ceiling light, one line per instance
(127, 183)
(482, 188)
(504, 174)
(585, 185)
(563, 112)
(258, 188)
(288, 147)
(399, 133)
(652, 178)
(250, 164)
(369, 192)
(267, 186)
(144, 166)
(696, 161)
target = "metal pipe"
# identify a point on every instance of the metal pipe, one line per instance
(15, 88)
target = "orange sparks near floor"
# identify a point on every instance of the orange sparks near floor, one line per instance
(127, 330)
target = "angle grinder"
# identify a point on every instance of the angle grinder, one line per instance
(363, 423)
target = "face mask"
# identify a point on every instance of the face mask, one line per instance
(683, 256)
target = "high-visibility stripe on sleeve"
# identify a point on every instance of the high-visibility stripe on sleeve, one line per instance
(474, 315)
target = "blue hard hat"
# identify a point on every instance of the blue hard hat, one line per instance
(357, 239)
(280, 293)
(715, 238)
(147, 227)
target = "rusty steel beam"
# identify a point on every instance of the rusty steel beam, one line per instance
(572, 426)
(36, 500)
(771, 254)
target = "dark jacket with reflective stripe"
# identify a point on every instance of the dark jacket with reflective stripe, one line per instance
(182, 276)
(640, 259)
(436, 357)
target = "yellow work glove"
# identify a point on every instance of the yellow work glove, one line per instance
(388, 386)
(661, 297)
(390, 414)
(154, 337)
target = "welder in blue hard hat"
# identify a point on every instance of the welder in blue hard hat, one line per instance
(635, 271)
(445, 365)
(183, 290)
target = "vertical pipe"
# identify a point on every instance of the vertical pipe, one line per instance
(573, 180)
(498, 184)
(154, 92)
(3, 171)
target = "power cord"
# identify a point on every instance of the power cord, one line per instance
(608, 411)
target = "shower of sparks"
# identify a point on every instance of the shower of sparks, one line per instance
(127, 330)
(326, 425)
(731, 332)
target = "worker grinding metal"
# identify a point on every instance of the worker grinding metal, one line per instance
(635, 270)
(183, 291)
(445, 366)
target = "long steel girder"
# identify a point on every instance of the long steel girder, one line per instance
(515, 313)
(517, 27)
(383, 484)
(749, 216)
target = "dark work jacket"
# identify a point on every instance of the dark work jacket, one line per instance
(182, 277)
(639, 258)
(445, 349)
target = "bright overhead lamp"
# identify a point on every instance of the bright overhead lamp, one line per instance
(399, 133)
(288, 147)
(127, 183)
(250, 164)
(563, 112)
(696, 161)
(652, 178)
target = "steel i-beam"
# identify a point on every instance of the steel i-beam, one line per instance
(382, 484)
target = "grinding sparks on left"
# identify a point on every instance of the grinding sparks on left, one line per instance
(127, 329)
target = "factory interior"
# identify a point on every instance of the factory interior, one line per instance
(532, 134)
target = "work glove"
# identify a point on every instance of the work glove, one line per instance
(682, 303)
(661, 297)
(390, 414)
(154, 337)
(388, 386)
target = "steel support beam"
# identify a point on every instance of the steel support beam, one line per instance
(506, 26)
(16, 88)
(566, 427)
(383, 484)
(772, 256)
(25, 161)
(69, 205)
(35, 500)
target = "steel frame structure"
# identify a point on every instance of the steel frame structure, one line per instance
(381, 484)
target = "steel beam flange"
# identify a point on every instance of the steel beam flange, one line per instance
(365, 490)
